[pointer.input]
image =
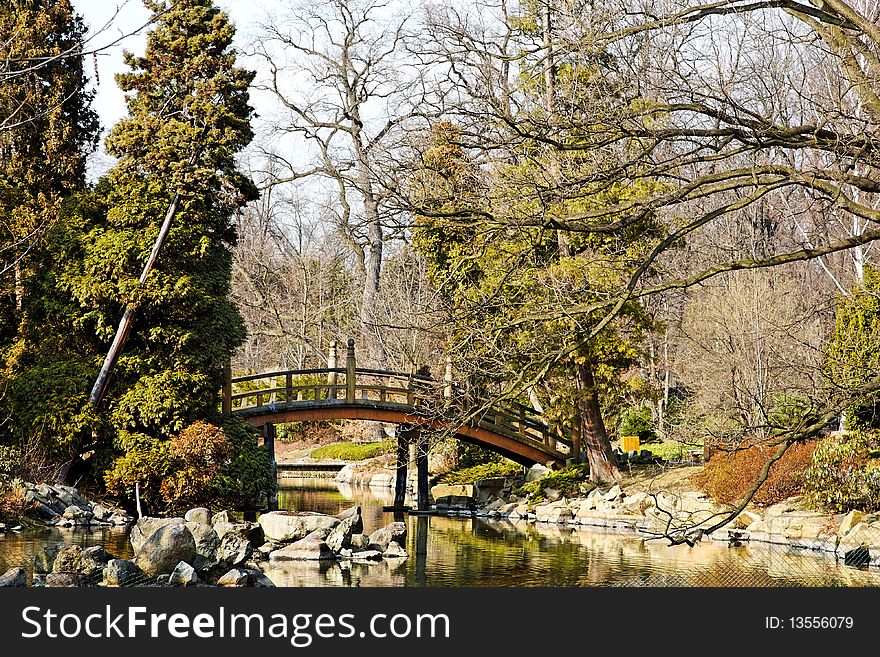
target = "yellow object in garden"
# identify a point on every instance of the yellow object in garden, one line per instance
(629, 443)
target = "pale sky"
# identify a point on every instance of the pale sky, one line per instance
(108, 20)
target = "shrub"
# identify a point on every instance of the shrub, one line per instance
(567, 481)
(203, 465)
(843, 475)
(729, 475)
(477, 472)
(12, 502)
(637, 421)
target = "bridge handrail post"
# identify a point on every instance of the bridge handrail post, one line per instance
(447, 378)
(332, 377)
(350, 372)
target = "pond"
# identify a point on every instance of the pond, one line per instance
(482, 552)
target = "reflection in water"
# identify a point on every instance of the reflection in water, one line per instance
(481, 552)
(478, 552)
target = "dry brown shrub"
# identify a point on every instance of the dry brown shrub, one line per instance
(729, 475)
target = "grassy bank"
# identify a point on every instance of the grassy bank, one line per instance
(352, 451)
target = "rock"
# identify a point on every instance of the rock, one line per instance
(745, 519)
(183, 575)
(380, 538)
(146, 527)
(851, 519)
(233, 550)
(199, 514)
(442, 493)
(73, 559)
(395, 551)
(359, 541)
(120, 572)
(340, 536)
(235, 577)
(537, 472)
(862, 535)
(614, 494)
(366, 555)
(556, 512)
(346, 475)
(250, 531)
(305, 549)
(76, 514)
(382, 480)
(259, 580)
(320, 534)
(224, 517)
(859, 557)
(352, 512)
(99, 512)
(44, 561)
(206, 540)
(63, 580)
(165, 548)
(43, 511)
(13, 578)
(637, 503)
(285, 526)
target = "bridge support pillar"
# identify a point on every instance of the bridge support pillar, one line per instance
(423, 502)
(404, 438)
(269, 442)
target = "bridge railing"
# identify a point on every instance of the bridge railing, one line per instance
(417, 394)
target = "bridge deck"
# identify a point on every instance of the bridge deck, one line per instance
(367, 394)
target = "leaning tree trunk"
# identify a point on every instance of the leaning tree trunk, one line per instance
(603, 462)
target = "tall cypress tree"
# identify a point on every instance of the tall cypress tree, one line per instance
(47, 128)
(188, 117)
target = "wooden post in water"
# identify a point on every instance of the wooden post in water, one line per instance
(332, 377)
(422, 502)
(269, 441)
(227, 389)
(350, 370)
(404, 437)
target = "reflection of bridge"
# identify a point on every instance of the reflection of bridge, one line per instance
(416, 403)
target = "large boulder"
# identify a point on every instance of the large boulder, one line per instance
(63, 580)
(13, 578)
(285, 526)
(340, 536)
(206, 540)
(306, 549)
(250, 531)
(359, 541)
(199, 514)
(233, 550)
(120, 572)
(165, 548)
(353, 512)
(537, 472)
(395, 551)
(380, 538)
(146, 527)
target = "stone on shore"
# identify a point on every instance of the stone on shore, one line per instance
(352, 512)
(395, 551)
(380, 538)
(285, 526)
(74, 559)
(340, 536)
(234, 577)
(44, 560)
(306, 549)
(63, 580)
(183, 575)
(359, 541)
(164, 549)
(233, 550)
(13, 578)
(206, 540)
(121, 572)
(199, 514)
(849, 521)
(146, 527)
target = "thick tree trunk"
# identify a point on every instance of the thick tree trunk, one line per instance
(603, 462)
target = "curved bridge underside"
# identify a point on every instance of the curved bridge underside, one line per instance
(500, 438)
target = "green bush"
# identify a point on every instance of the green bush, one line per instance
(567, 481)
(637, 421)
(482, 471)
(203, 465)
(844, 474)
(352, 451)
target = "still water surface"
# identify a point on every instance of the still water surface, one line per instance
(481, 552)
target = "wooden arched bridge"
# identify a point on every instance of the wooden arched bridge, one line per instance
(416, 403)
